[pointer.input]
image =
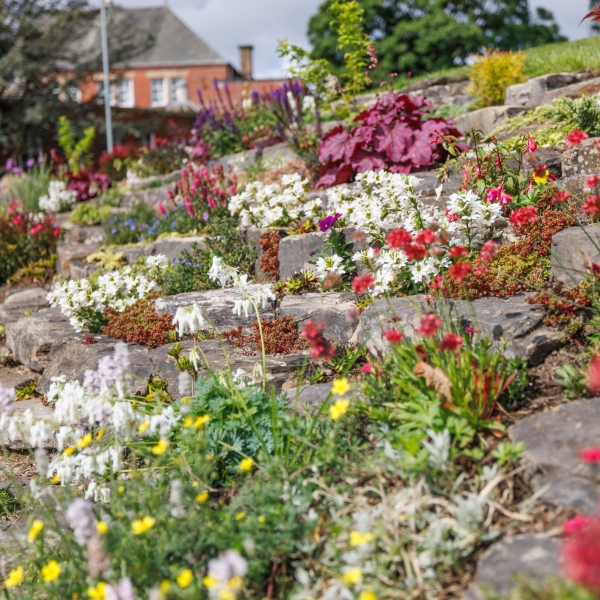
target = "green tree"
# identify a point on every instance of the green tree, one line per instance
(426, 35)
(47, 49)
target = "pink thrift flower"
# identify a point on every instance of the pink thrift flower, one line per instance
(575, 524)
(161, 209)
(590, 455)
(366, 368)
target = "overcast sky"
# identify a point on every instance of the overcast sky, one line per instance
(226, 24)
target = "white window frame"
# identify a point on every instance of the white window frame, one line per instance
(173, 89)
(165, 92)
(129, 103)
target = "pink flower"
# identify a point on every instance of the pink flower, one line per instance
(531, 144)
(362, 283)
(592, 181)
(36, 229)
(393, 336)
(366, 368)
(188, 206)
(575, 524)
(580, 554)
(593, 375)
(170, 194)
(460, 270)
(161, 208)
(499, 195)
(398, 239)
(429, 325)
(529, 187)
(451, 342)
(56, 231)
(575, 138)
(451, 216)
(590, 455)
(458, 252)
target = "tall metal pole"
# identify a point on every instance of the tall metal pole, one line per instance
(107, 94)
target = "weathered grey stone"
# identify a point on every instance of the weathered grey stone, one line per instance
(575, 185)
(542, 90)
(216, 305)
(144, 182)
(80, 234)
(308, 397)
(570, 250)
(487, 119)
(72, 358)
(553, 442)
(295, 251)
(329, 309)
(67, 252)
(550, 157)
(278, 368)
(533, 557)
(81, 270)
(581, 159)
(13, 376)
(171, 247)
(511, 318)
(431, 180)
(30, 299)
(39, 411)
(30, 339)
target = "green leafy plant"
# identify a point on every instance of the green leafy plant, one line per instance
(506, 453)
(572, 380)
(29, 186)
(77, 152)
(87, 214)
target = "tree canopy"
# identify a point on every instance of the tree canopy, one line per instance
(427, 35)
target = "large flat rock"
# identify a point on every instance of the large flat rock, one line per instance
(30, 339)
(487, 119)
(216, 305)
(329, 309)
(581, 159)
(513, 319)
(25, 300)
(68, 252)
(532, 557)
(308, 398)
(553, 442)
(570, 250)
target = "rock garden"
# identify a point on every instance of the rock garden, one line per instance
(348, 349)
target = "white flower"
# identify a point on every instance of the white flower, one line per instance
(188, 319)
(58, 197)
(221, 272)
(329, 264)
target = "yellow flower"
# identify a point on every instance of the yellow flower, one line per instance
(352, 577)
(367, 595)
(188, 422)
(100, 434)
(69, 451)
(36, 528)
(541, 178)
(161, 447)
(142, 525)
(202, 497)
(340, 387)
(85, 441)
(15, 577)
(338, 408)
(237, 583)
(165, 584)
(200, 422)
(195, 484)
(101, 527)
(247, 464)
(240, 516)
(226, 594)
(55, 480)
(358, 539)
(144, 426)
(261, 519)
(98, 592)
(185, 578)
(51, 572)
(210, 457)
(121, 489)
(209, 581)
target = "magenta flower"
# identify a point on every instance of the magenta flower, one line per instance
(328, 222)
(499, 195)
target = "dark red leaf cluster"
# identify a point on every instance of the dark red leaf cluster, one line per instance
(269, 261)
(391, 134)
(280, 337)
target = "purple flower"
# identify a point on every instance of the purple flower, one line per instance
(7, 396)
(40, 160)
(328, 222)
(10, 164)
(122, 591)
(30, 163)
(82, 520)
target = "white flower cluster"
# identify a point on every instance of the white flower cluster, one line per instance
(330, 264)
(58, 197)
(275, 205)
(116, 290)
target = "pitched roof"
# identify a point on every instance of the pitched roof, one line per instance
(175, 44)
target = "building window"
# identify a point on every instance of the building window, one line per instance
(158, 92)
(178, 83)
(101, 92)
(125, 92)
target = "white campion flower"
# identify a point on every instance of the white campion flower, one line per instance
(159, 262)
(188, 319)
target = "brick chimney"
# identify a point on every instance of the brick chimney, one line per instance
(246, 61)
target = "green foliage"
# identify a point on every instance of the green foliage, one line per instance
(78, 153)
(29, 186)
(88, 214)
(128, 228)
(552, 589)
(8, 502)
(422, 36)
(111, 197)
(190, 272)
(39, 272)
(160, 160)
(572, 380)
(492, 73)
(506, 453)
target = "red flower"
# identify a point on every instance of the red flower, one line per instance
(575, 138)
(429, 325)
(393, 336)
(16, 220)
(56, 231)
(561, 196)
(36, 229)
(575, 524)
(366, 368)
(590, 455)
(580, 552)
(593, 375)
(591, 206)
(592, 181)
(457, 252)
(460, 270)
(523, 216)
(451, 342)
(320, 348)
(531, 144)
(489, 250)
(362, 283)
(161, 208)
(415, 251)
(425, 237)
(398, 238)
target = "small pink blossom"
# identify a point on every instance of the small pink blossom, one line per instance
(590, 455)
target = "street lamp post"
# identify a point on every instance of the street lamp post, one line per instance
(107, 95)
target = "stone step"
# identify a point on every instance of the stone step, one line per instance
(571, 249)
(17, 302)
(487, 119)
